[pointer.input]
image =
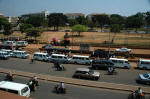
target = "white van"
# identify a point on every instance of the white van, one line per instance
(17, 88)
(119, 62)
(10, 52)
(78, 59)
(22, 43)
(20, 54)
(41, 56)
(144, 64)
(8, 43)
(4, 55)
(60, 58)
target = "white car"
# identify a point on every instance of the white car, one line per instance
(144, 78)
(123, 50)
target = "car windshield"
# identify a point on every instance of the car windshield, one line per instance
(91, 71)
(146, 76)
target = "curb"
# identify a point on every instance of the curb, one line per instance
(95, 84)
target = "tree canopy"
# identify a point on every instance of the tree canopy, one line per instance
(33, 32)
(56, 20)
(24, 27)
(79, 28)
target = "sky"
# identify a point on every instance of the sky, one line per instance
(122, 7)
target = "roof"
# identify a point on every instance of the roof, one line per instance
(82, 69)
(18, 51)
(12, 85)
(58, 55)
(40, 53)
(118, 59)
(80, 56)
(7, 95)
(145, 60)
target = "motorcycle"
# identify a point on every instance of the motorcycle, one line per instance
(59, 67)
(9, 77)
(135, 95)
(112, 72)
(32, 84)
(58, 89)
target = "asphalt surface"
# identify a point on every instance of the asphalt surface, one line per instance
(45, 91)
(124, 76)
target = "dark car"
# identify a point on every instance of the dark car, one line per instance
(47, 46)
(102, 53)
(102, 64)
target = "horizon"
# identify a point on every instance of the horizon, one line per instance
(121, 7)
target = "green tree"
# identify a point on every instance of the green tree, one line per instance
(6, 26)
(102, 20)
(24, 27)
(114, 28)
(56, 20)
(81, 20)
(33, 32)
(135, 21)
(148, 18)
(36, 21)
(72, 22)
(117, 19)
(79, 29)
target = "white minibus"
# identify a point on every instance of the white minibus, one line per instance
(120, 62)
(16, 88)
(78, 59)
(60, 58)
(20, 54)
(144, 64)
(41, 56)
(22, 43)
(4, 55)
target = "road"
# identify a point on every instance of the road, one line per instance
(45, 90)
(124, 76)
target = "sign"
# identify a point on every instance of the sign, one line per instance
(84, 47)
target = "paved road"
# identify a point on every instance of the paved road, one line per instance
(124, 76)
(45, 90)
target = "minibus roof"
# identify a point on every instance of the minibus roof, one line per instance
(40, 53)
(80, 56)
(145, 60)
(118, 59)
(58, 55)
(12, 85)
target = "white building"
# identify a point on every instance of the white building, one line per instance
(74, 15)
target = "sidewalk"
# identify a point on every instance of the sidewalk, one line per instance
(105, 85)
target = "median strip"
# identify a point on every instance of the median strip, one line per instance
(105, 85)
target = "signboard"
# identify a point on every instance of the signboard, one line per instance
(84, 47)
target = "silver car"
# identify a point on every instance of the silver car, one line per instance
(144, 78)
(86, 73)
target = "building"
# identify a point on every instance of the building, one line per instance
(42, 14)
(13, 20)
(74, 15)
(93, 14)
(1, 15)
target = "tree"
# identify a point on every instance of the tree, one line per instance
(81, 20)
(72, 22)
(148, 18)
(33, 32)
(24, 27)
(56, 20)
(6, 26)
(114, 28)
(117, 19)
(102, 20)
(90, 24)
(36, 21)
(79, 28)
(135, 21)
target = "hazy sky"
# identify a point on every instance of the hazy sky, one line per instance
(122, 7)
